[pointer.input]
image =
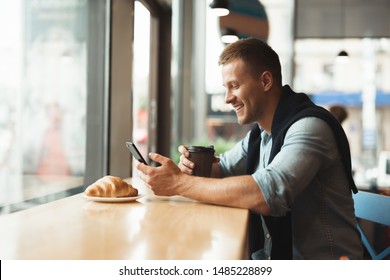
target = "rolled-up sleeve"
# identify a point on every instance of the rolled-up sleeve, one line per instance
(309, 144)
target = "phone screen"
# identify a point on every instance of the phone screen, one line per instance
(135, 152)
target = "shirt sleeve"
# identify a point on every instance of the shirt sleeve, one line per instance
(309, 145)
(232, 162)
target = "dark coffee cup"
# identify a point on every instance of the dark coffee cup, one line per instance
(203, 157)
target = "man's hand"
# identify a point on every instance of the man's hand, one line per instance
(185, 165)
(163, 180)
(235, 191)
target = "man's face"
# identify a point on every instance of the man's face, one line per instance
(243, 91)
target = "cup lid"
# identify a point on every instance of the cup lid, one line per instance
(203, 149)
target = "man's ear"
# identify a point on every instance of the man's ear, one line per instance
(266, 80)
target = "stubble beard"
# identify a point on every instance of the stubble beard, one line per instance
(246, 119)
(243, 120)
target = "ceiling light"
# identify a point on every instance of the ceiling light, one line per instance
(343, 53)
(220, 7)
(342, 57)
(228, 35)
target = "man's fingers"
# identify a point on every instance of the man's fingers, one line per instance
(159, 158)
(186, 162)
(183, 150)
(143, 168)
(185, 169)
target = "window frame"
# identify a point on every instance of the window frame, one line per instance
(110, 88)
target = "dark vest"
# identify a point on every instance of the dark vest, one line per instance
(292, 107)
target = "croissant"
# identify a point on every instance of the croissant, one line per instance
(111, 186)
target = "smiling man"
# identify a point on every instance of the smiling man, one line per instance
(292, 170)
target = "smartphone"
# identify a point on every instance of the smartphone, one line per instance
(135, 152)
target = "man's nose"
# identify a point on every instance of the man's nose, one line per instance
(228, 97)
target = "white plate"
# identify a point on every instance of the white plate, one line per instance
(113, 199)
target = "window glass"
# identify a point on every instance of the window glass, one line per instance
(43, 98)
(141, 78)
(358, 82)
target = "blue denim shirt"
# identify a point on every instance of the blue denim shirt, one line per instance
(306, 177)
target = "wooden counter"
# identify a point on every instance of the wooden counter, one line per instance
(149, 228)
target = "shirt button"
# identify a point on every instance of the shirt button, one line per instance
(267, 236)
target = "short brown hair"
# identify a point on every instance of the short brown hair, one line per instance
(258, 55)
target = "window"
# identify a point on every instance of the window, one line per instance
(141, 78)
(66, 102)
(43, 101)
(139, 47)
